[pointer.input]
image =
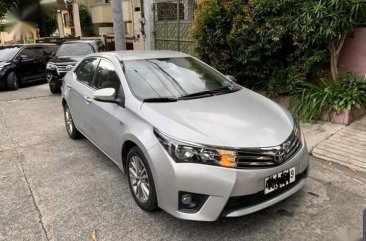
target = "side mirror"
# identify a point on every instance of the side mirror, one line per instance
(232, 78)
(105, 95)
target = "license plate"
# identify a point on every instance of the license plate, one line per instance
(279, 180)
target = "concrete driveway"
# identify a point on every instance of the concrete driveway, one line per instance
(55, 188)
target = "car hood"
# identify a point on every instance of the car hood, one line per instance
(66, 59)
(5, 62)
(240, 119)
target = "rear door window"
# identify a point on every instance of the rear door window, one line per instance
(85, 71)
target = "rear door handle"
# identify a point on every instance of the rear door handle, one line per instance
(87, 99)
(69, 86)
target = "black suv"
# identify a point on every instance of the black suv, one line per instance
(69, 53)
(20, 64)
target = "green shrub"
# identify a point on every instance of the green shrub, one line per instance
(347, 91)
(85, 22)
(256, 42)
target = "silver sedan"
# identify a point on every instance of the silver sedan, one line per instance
(189, 139)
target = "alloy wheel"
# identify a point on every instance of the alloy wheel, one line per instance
(139, 179)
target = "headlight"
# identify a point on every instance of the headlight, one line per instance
(297, 128)
(182, 152)
(51, 66)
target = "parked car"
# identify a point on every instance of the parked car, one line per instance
(190, 140)
(20, 64)
(69, 53)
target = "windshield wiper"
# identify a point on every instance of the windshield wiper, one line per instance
(207, 93)
(160, 99)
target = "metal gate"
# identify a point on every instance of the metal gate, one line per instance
(172, 23)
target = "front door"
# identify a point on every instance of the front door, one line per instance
(107, 126)
(27, 66)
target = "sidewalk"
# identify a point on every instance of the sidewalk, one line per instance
(345, 145)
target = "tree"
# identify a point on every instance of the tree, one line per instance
(254, 40)
(48, 23)
(5, 5)
(330, 22)
(85, 21)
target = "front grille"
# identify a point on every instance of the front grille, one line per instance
(61, 67)
(269, 156)
(239, 202)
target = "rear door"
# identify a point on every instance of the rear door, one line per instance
(79, 91)
(40, 62)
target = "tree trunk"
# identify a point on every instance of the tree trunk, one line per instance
(118, 25)
(335, 50)
(333, 62)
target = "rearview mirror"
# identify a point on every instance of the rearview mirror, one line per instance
(232, 78)
(105, 95)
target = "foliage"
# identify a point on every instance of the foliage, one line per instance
(85, 22)
(29, 11)
(256, 43)
(48, 25)
(275, 44)
(329, 22)
(5, 5)
(347, 91)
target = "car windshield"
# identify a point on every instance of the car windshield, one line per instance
(173, 78)
(74, 49)
(8, 52)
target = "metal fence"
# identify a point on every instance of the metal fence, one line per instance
(172, 23)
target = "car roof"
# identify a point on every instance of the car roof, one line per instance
(28, 45)
(89, 41)
(136, 54)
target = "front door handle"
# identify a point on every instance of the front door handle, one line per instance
(87, 99)
(69, 86)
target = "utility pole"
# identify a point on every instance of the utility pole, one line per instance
(118, 25)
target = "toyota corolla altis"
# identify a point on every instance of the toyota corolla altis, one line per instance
(190, 140)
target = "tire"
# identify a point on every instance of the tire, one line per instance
(55, 89)
(12, 81)
(70, 126)
(138, 184)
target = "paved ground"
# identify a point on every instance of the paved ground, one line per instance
(347, 146)
(54, 188)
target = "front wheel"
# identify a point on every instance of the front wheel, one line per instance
(140, 180)
(70, 126)
(12, 81)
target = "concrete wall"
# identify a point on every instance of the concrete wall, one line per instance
(353, 54)
(101, 13)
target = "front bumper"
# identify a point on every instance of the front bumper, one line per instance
(231, 192)
(55, 78)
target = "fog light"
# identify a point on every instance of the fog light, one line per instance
(186, 199)
(191, 202)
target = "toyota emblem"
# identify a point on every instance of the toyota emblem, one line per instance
(281, 154)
